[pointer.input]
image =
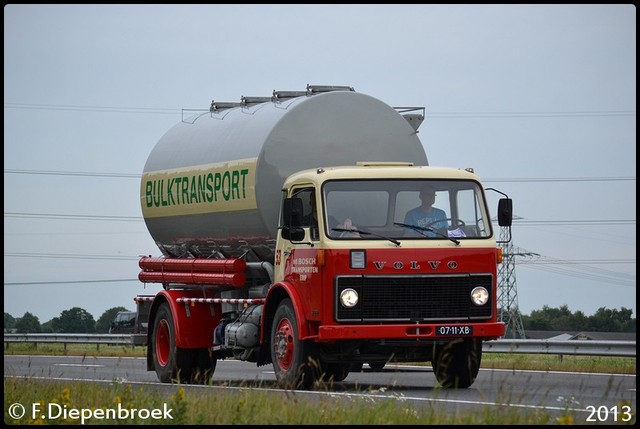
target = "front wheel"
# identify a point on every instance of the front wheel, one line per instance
(456, 363)
(293, 362)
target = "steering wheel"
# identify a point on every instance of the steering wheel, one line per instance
(454, 221)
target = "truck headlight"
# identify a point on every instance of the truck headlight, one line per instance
(349, 298)
(479, 296)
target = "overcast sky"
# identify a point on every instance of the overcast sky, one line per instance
(539, 99)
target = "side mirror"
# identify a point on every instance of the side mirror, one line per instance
(292, 213)
(505, 211)
(292, 234)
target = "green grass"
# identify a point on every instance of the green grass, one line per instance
(569, 363)
(215, 407)
(56, 349)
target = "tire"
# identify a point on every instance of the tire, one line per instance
(336, 371)
(292, 360)
(203, 364)
(456, 364)
(376, 366)
(174, 364)
(164, 345)
(356, 367)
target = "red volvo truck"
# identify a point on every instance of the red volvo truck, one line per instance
(248, 272)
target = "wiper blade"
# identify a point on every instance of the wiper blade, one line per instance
(359, 231)
(421, 230)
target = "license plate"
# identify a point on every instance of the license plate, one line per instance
(454, 330)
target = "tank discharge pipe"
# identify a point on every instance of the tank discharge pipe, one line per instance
(193, 271)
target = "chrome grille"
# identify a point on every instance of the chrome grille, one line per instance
(411, 299)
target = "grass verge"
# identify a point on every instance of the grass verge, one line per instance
(52, 402)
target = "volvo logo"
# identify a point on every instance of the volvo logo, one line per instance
(414, 265)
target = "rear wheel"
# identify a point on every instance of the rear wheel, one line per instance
(164, 345)
(202, 363)
(376, 366)
(456, 363)
(336, 371)
(356, 367)
(174, 364)
(293, 362)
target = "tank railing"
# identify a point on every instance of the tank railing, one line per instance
(402, 110)
(218, 106)
(278, 95)
(255, 100)
(194, 117)
(313, 89)
(414, 119)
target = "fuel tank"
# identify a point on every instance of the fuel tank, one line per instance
(212, 185)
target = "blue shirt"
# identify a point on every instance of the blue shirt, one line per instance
(417, 217)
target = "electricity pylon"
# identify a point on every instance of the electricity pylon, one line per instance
(508, 311)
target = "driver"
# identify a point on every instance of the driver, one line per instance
(426, 215)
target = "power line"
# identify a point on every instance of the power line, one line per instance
(576, 222)
(71, 256)
(76, 108)
(473, 115)
(72, 173)
(139, 218)
(581, 268)
(609, 280)
(562, 179)
(440, 115)
(71, 216)
(132, 257)
(503, 180)
(69, 282)
(581, 261)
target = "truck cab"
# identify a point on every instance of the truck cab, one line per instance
(372, 285)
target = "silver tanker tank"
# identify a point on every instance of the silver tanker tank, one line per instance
(212, 184)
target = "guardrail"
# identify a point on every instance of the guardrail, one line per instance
(565, 347)
(98, 339)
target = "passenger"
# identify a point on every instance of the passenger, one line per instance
(311, 220)
(425, 215)
(348, 224)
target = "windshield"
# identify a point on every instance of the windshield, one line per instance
(405, 209)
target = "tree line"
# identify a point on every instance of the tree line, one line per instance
(78, 320)
(75, 320)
